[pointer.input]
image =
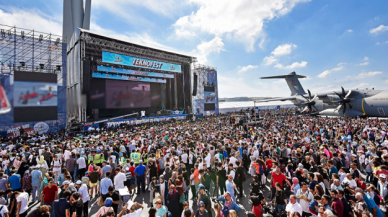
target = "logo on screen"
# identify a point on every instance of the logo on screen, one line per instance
(172, 67)
(118, 58)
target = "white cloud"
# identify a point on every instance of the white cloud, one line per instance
(269, 60)
(362, 85)
(341, 64)
(183, 33)
(283, 49)
(326, 73)
(121, 7)
(369, 74)
(216, 45)
(246, 68)
(292, 66)
(242, 20)
(31, 19)
(143, 38)
(235, 87)
(364, 64)
(384, 42)
(349, 30)
(379, 29)
(280, 50)
(386, 82)
(366, 58)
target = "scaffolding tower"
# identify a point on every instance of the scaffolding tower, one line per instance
(29, 50)
(199, 98)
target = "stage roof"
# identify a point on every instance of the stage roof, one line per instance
(127, 41)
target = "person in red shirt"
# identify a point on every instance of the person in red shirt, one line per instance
(277, 177)
(49, 194)
(133, 179)
(268, 163)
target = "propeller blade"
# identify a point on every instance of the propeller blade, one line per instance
(315, 108)
(338, 95)
(350, 106)
(344, 108)
(310, 110)
(347, 95)
(309, 93)
(343, 91)
(338, 108)
(305, 98)
(316, 95)
(305, 109)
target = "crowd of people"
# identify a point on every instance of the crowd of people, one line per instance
(295, 166)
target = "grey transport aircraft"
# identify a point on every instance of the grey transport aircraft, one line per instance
(345, 103)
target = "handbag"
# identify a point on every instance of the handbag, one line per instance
(100, 202)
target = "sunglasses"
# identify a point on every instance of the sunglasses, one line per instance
(158, 203)
(201, 206)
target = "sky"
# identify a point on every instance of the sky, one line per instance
(333, 43)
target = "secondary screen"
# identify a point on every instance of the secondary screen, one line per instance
(27, 94)
(127, 94)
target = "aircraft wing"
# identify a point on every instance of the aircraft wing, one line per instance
(277, 99)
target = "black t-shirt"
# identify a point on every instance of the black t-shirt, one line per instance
(221, 176)
(77, 208)
(115, 197)
(279, 197)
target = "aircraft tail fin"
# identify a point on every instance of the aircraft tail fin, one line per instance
(292, 81)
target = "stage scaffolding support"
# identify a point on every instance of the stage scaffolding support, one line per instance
(198, 100)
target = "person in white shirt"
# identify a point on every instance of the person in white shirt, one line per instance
(184, 157)
(119, 180)
(304, 196)
(84, 194)
(22, 202)
(129, 210)
(56, 166)
(4, 211)
(293, 206)
(208, 159)
(233, 160)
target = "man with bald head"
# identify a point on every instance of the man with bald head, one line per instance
(161, 209)
(293, 206)
(230, 186)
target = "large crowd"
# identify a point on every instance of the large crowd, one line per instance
(296, 166)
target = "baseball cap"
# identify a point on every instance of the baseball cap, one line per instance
(108, 202)
(65, 182)
(201, 186)
(105, 162)
(78, 182)
(383, 176)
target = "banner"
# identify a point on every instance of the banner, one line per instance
(133, 72)
(127, 78)
(108, 57)
(133, 121)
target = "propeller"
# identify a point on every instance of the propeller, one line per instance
(345, 100)
(310, 102)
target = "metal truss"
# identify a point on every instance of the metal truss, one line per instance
(97, 44)
(29, 50)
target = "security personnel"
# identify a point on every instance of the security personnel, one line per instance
(144, 156)
(91, 156)
(98, 158)
(135, 156)
(140, 176)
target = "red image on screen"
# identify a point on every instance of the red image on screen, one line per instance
(127, 94)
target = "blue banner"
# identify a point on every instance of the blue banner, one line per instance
(120, 59)
(133, 72)
(127, 78)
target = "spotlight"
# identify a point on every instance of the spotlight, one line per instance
(22, 64)
(22, 33)
(57, 41)
(41, 66)
(58, 68)
(40, 37)
(2, 33)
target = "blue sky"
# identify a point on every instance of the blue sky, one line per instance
(332, 42)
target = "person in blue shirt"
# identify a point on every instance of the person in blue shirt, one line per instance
(104, 186)
(370, 204)
(140, 176)
(14, 180)
(332, 169)
(36, 179)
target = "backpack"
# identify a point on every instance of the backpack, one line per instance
(194, 158)
(11, 162)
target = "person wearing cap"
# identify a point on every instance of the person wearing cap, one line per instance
(64, 186)
(382, 185)
(84, 193)
(105, 168)
(203, 196)
(140, 176)
(129, 210)
(201, 211)
(115, 198)
(106, 208)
